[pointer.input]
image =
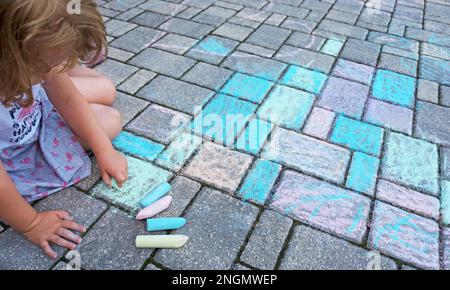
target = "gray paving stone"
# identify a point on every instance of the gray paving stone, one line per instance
(341, 16)
(189, 13)
(393, 41)
(183, 191)
(305, 58)
(433, 123)
(269, 36)
(398, 64)
(150, 19)
(243, 22)
(436, 51)
(175, 94)
(137, 39)
(18, 253)
(187, 28)
(406, 236)
(363, 52)
(129, 106)
(116, 71)
(137, 81)
(345, 97)
(163, 62)
(322, 205)
(207, 75)
(445, 163)
(159, 123)
(319, 123)
(119, 54)
(213, 49)
(253, 14)
(390, 116)
(117, 28)
(199, 3)
(307, 41)
(233, 31)
(257, 50)
(435, 69)
(109, 245)
(151, 267)
(354, 71)
(412, 200)
(310, 249)
(288, 10)
(235, 220)
(175, 43)
(307, 154)
(428, 91)
(445, 96)
(295, 24)
(127, 15)
(254, 65)
(344, 29)
(275, 19)
(266, 241)
(218, 166)
(239, 267)
(446, 234)
(95, 176)
(163, 7)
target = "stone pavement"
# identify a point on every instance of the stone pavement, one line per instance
(338, 158)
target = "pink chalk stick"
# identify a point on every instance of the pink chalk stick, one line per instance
(154, 208)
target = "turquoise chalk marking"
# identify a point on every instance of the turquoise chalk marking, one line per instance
(254, 136)
(394, 87)
(259, 182)
(412, 162)
(247, 87)
(304, 79)
(213, 46)
(393, 230)
(363, 173)
(287, 106)
(137, 146)
(445, 201)
(358, 135)
(356, 219)
(332, 47)
(223, 118)
(162, 224)
(155, 194)
(177, 153)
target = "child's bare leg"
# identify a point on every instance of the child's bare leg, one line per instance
(100, 92)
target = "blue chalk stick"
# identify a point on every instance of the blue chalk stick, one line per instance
(155, 194)
(161, 224)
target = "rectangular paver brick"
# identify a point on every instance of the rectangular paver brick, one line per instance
(213, 49)
(218, 166)
(206, 75)
(411, 162)
(287, 107)
(301, 78)
(363, 173)
(235, 220)
(323, 205)
(390, 116)
(307, 154)
(137, 146)
(305, 58)
(363, 52)
(310, 249)
(406, 236)
(266, 241)
(254, 136)
(319, 123)
(354, 71)
(422, 204)
(137, 39)
(247, 87)
(432, 123)
(259, 181)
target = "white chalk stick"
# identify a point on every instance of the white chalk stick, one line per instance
(154, 208)
(161, 241)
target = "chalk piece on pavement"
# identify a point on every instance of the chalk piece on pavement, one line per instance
(115, 185)
(155, 194)
(162, 224)
(154, 208)
(161, 241)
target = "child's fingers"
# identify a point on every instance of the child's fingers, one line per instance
(48, 250)
(62, 242)
(68, 235)
(63, 215)
(70, 225)
(120, 178)
(106, 178)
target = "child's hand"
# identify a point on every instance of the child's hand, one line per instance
(55, 227)
(113, 164)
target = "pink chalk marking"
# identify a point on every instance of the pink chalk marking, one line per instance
(154, 208)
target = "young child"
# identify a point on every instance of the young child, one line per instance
(51, 111)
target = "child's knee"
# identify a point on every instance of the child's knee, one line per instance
(115, 121)
(108, 90)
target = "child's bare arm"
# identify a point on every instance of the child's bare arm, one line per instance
(75, 110)
(14, 210)
(38, 228)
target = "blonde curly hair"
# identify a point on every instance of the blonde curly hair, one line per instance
(31, 28)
